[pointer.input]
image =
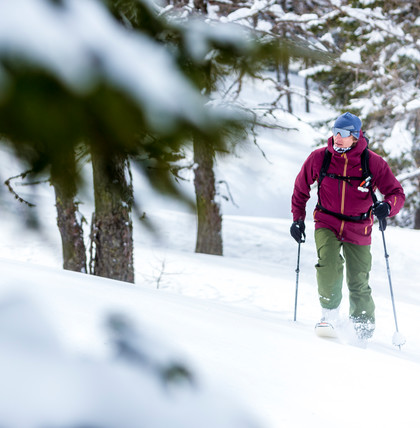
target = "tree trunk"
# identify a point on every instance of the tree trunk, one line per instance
(112, 228)
(416, 156)
(417, 219)
(209, 218)
(307, 91)
(287, 84)
(200, 6)
(71, 231)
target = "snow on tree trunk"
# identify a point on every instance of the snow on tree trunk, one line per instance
(209, 218)
(112, 229)
(71, 231)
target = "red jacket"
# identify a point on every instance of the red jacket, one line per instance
(342, 196)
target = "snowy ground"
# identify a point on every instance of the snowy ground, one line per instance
(230, 318)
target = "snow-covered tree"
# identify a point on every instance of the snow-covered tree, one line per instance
(376, 75)
(125, 84)
(71, 73)
(223, 67)
(370, 67)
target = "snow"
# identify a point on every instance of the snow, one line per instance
(239, 14)
(230, 318)
(408, 175)
(314, 70)
(328, 38)
(198, 37)
(413, 105)
(352, 55)
(78, 350)
(410, 52)
(264, 26)
(374, 37)
(399, 141)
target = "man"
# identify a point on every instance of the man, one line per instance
(344, 218)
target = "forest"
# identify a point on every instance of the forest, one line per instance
(154, 86)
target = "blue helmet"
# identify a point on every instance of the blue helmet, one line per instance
(349, 122)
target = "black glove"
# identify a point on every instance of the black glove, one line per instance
(381, 209)
(297, 230)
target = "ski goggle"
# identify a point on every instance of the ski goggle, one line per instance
(343, 132)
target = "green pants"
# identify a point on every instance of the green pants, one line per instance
(330, 274)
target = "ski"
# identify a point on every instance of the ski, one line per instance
(325, 329)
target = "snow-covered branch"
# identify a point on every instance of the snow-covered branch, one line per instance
(373, 17)
(409, 175)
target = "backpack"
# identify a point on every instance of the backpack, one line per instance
(364, 186)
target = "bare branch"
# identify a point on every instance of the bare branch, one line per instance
(14, 193)
(229, 192)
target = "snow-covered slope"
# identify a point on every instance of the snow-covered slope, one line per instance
(227, 319)
(230, 320)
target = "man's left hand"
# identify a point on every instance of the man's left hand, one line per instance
(381, 210)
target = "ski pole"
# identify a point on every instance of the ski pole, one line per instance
(297, 281)
(297, 275)
(397, 339)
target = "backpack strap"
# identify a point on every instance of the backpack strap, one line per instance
(366, 183)
(364, 186)
(365, 180)
(324, 168)
(344, 217)
(366, 172)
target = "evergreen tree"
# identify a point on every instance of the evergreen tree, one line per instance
(130, 91)
(216, 63)
(376, 75)
(110, 99)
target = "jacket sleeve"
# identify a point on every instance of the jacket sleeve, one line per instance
(388, 185)
(307, 176)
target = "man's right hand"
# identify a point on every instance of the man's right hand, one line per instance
(297, 230)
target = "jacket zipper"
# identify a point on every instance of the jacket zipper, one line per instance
(343, 194)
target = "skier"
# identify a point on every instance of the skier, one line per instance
(344, 218)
